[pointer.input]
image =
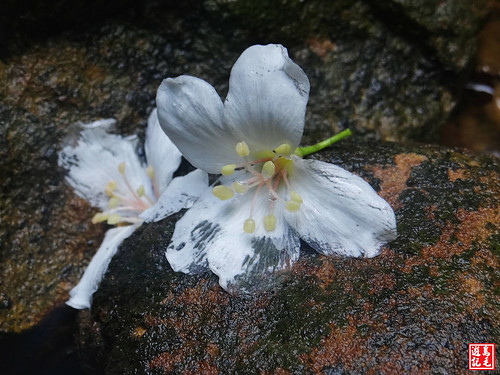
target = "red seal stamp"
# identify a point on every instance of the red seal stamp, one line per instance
(481, 356)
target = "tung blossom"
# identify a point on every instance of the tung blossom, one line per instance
(106, 170)
(268, 198)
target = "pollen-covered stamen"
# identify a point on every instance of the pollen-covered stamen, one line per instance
(114, 219)
(137, 202)
(270, 222)
(293, 205)
(242, 149)
(113, 202)
(223, 192)
(249, 226)
(240, 188)
(283, 149)
(100, 217)
(228, 169)
(268, 170)
(141, 192)
(151, 174)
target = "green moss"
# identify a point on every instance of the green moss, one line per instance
(494, 243)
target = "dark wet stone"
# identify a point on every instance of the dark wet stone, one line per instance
(385, 68)
(364, 74)
(412, 309)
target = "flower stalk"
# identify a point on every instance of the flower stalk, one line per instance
(308, 150)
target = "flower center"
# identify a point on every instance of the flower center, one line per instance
(126, 203)
(270, 170)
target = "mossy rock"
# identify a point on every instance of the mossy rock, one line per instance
(412, 309)
(365, 75)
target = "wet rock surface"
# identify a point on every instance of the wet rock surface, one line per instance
(365, 74)
(412, 309)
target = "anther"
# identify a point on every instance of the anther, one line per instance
(228, 169)
(270, 222)
(292, 206)
(150, 172)
(110, 187)
(283, 149)
(113, 202)
(121, 167)
(99, 217)
(223, 192)
(240, 188)
(249, 225)
(242, 149)
(268, 170)
(294, 196)
(114, 219)
(141, 191)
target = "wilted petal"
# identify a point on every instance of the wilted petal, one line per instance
(181, 193)
(190, 113)
(81, 295)
(341, 213)
(92, 162)
(161, 153)
(267, 98)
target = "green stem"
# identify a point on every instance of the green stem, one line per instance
(304, 151)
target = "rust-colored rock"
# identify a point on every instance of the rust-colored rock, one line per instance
(413, 309)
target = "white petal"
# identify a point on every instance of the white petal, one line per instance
(81, 295)
(267, 98)
(211, 234)
(341, 213)
(190, 113)
(161, 153)
(181, 193)
(248, 262)
(92, 162)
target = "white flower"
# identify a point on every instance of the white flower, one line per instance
(106, 170)
(268, 198)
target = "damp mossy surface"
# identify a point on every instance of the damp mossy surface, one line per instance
(413, 308)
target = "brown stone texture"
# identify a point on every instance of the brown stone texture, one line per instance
(413, 309)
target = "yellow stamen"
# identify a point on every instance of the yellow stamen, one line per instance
(228, 170)
(270, 222)
(110, 187)
(249, 226)
(294, 196)
(114, 219)
(292, 206)
(268, 170)
(239, 187)
(99, 217)
(242, 149)
(283, 149)
(141, 191)
(223, 192)
(150, 172)
(113, 202)
(121, 167)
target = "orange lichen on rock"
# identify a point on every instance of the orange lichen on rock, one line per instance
(326, 273)
(139, 332)
(473, 287)
(342, 345)
(166, 361)
(394, 178)
(382, 281)
(455, 239)
(202, 368)
(458, 174)
(321, 47)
